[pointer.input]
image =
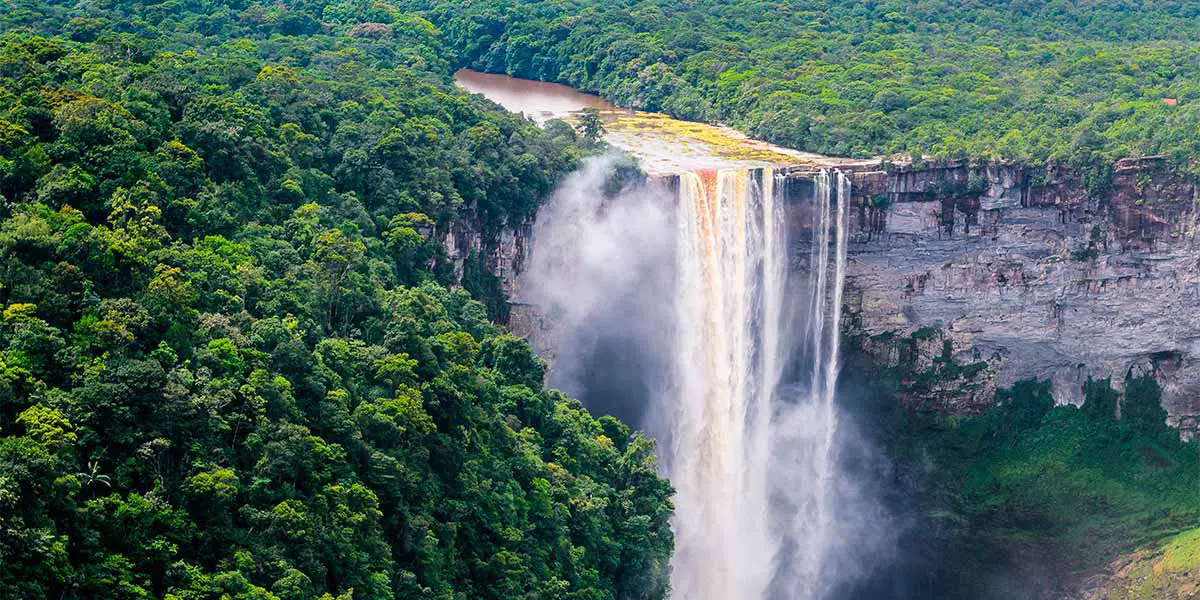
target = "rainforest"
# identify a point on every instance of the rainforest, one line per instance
(1033, 81)
(599, 300)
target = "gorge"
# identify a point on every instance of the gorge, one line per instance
(964, 279)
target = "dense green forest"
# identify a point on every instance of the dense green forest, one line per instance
(234, 362)
(1081, 82)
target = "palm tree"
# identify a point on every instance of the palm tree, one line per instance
(93, 476)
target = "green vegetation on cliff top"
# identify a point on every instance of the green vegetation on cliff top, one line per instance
(1079, 82)
(232, 361)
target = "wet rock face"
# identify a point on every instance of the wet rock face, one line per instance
(1027, 274)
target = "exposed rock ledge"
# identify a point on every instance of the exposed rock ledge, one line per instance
(1025, 270)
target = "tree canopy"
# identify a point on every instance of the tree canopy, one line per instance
(1078, 82)
(234, 360)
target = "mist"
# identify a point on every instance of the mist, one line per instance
(601, 270)
(685, 308)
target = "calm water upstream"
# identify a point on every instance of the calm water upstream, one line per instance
(539, 100)
(663, 144)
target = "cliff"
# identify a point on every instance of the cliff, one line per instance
(962, 279)
(502, 253)
(1029, 272)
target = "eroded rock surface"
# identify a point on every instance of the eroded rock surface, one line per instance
(1027, 272)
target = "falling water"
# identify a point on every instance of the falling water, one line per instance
(810, 428)
(731, 282)
(752, 459)
(736, 363)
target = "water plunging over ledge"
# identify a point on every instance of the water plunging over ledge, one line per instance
(753, 457)
(695, 278)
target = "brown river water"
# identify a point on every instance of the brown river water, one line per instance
(661, 143)
(538, 100)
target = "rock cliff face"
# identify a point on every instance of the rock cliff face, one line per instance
(985, 276)
(503, 254)
(1019, 272)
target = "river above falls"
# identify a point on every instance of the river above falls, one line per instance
(661, 143)
(538, 100)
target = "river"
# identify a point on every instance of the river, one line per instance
(662, 144)
(539, 100)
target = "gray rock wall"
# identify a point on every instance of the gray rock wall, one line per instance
(1035, 277)
(504, 254)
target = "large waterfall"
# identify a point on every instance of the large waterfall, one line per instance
(752, 459)
(732, 279)
(736, 360)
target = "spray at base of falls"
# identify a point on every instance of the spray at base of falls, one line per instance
(753, 460)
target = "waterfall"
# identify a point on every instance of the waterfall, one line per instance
(753, 460)
(730, 288)
(683, 315)
(808, 435)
